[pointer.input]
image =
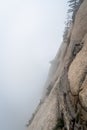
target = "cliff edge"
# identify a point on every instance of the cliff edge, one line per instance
(65, 106)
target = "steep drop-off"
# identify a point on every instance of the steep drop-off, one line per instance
(65, 106)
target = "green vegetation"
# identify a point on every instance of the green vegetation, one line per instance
(74, 6)
(71, 13)
(59, 125)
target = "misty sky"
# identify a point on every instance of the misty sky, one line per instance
(30, 35)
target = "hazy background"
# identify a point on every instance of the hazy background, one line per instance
(30, 34)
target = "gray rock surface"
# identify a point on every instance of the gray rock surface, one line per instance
(66, 104)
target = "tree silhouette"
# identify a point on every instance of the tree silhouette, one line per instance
(74, 6)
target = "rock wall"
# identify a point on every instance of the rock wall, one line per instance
(65, 107)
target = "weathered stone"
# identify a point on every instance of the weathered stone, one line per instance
(46, 117)
(77, 70)
(83, 94)
(65, 99)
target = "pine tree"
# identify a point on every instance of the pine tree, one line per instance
(74, 6)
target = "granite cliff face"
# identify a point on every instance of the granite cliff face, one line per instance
(65, 106)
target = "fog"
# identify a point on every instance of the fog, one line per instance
(30, 35)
